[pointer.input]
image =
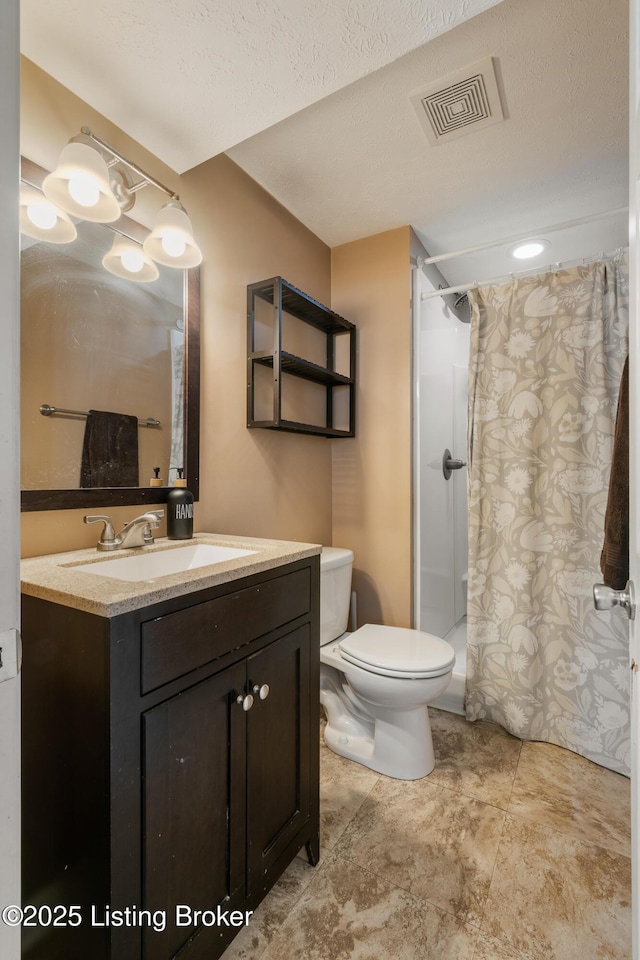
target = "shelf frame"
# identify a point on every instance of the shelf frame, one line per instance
(285, 298)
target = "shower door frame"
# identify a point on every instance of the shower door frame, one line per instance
(453, 698)
(449, 438)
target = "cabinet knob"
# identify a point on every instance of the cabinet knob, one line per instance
(245, 702)
(262, 692)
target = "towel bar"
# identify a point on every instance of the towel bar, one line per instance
(48, 411)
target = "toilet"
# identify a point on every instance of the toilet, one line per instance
(376, 682)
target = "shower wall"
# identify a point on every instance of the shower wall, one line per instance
(441, 360)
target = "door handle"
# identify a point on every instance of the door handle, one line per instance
(605, 598)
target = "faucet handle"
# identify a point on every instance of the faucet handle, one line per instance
(153, 518)
(108, 533)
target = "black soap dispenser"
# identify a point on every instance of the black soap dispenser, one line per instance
(180, 510)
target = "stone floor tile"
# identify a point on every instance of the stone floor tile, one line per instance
(488, 948)
(558, 897)
(477, 759)
(347, 913)
(272, 913)
(344, 786)
(556, 787)
(437, 844)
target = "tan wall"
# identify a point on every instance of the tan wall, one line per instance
(372, 473)
(251, 482)
(254, 482)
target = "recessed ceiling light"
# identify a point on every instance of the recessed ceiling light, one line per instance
(527, 249)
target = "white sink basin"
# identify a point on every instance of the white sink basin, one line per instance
(162, 563)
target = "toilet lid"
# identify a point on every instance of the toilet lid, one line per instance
(397, 651)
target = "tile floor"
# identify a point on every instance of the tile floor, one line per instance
(507, 851)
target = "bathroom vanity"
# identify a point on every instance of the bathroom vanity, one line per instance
(170, 747)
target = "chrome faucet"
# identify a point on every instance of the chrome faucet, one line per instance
(135, 533)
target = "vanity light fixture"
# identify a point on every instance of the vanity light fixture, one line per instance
(530, 248)
(128, 260)
(80, 184)
(43, 220)
(171, 240)
(95, 182)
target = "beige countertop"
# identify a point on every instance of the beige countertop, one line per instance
(54, 578)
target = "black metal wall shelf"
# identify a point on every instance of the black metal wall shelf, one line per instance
(284, 298)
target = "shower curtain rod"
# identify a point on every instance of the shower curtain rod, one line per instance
(531, 272)
(591, 218)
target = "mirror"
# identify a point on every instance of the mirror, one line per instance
(91, 341)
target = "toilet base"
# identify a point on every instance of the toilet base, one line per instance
(397, 743)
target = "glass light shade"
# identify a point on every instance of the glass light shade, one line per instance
(171, 240)
(528, 249)
(127, 259)
(43, 220)
(80, 185)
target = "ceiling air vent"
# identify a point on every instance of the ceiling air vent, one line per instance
(463, 102)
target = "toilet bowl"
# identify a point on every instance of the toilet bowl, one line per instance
(376, 682)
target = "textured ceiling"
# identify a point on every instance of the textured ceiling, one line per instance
(312, 99)
(358, 162)
(190, 79)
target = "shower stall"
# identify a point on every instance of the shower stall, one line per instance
(547, 351)
(441, 371)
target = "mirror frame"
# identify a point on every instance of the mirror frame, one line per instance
(85, 497)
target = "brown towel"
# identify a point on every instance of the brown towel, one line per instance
(110, 450)
(614, 559)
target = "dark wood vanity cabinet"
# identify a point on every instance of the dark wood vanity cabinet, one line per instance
(170, 758)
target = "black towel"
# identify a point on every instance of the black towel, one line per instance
(614, 560)
(110, 450)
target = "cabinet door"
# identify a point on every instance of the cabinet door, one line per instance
(277, 751)
(194, 812)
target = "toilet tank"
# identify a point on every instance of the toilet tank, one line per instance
(335, 592)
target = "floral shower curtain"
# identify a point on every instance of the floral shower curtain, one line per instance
(546, 359)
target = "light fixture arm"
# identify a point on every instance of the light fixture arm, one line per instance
(146, 178)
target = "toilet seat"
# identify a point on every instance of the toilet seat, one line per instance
(397, 652)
